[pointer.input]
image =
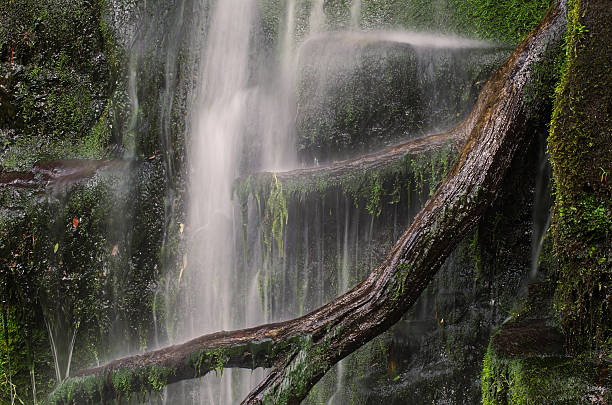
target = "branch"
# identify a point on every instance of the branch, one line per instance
(56, 172)
(302, 350)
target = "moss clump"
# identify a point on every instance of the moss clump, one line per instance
(126, 384)
(275, 217)
(383, 186)
(541, 380)
(208, 359)
(580, 146)
(309, 360)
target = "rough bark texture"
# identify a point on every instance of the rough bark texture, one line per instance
(302, 350)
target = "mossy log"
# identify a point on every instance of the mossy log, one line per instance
(302, 350)
(342, 173)
(56, 172)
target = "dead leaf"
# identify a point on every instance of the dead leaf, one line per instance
(115, 250)
(75, 222)
(181, 227)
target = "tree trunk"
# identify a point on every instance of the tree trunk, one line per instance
(302, 350)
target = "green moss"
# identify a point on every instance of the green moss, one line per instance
(508, 21)
(539, 380)
(580, 149)
(58, 82)
(373, 190)
(309, 360)
(275, 217)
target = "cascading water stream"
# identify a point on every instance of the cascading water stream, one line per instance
(217, 128)
(214, 152)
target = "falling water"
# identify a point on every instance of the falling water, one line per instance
(355, 14)
(414, 39)
(62, 334)
(317, 18)
(214, 153)
(541, 207)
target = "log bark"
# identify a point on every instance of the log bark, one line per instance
(313, 178)
(56, 173)
(302, 350)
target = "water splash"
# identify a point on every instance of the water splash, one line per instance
(415, 39)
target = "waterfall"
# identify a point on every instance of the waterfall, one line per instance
(214, 153)
(243, 120)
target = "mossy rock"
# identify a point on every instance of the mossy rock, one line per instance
(526, 363)
(526, 375)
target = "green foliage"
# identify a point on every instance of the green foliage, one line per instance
(209, 359)
(275, 217)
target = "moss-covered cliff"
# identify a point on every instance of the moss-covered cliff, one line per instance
(580, 146)
(523, 365)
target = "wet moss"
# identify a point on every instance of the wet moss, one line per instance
(372, 189)
(58, 65)
(580, 149)
(541, 380)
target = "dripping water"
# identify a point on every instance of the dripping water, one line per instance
(541, 207)
(355, 14)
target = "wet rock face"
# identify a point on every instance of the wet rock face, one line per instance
(436, 352)
(54, 80)
(358, 95)
(81, 257)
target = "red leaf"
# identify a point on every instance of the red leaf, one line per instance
(75, 223)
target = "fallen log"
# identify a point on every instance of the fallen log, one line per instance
(302, 350)
(56, 173)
